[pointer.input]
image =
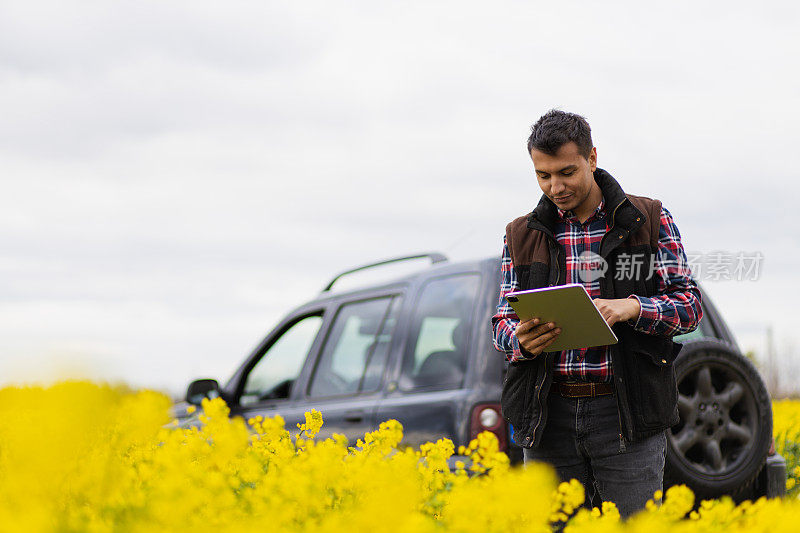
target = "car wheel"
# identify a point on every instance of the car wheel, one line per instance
(723, 437)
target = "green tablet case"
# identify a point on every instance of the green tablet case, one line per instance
(571, 308)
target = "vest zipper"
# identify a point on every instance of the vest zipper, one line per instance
(622, 446)
(547, 360)
(538, 386)
(613, 223)
(558, 264)
(538, 399)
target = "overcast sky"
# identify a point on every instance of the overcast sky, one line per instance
(177, 175)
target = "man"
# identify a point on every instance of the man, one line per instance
(599, 414)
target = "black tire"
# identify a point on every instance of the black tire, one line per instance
(722, 440)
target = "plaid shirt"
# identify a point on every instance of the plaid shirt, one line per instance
(675, 310)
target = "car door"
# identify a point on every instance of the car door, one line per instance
(348, 374)
(425, 391)
(270, 381)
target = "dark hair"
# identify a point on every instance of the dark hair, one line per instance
(556, 128)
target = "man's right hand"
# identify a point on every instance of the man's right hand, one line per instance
(535, 337)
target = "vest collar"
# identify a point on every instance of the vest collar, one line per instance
(545, 215)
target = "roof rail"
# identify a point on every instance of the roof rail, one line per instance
(435, 257)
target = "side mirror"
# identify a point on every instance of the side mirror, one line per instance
(202, 388)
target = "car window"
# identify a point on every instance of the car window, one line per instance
(376, 362)
(437, 354)
(275, 373)
(703, 330)
(355, 352)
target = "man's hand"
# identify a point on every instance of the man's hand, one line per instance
(535, 337)
(617, 310)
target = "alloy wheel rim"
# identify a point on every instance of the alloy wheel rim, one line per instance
(719, 419)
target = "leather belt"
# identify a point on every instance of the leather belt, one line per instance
(583, 390)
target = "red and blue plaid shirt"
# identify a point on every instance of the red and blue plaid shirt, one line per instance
(675, 310)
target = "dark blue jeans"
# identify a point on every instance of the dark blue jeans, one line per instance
(581, 440)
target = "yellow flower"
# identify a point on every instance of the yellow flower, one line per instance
(78, 456)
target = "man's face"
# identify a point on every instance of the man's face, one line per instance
(566, 178)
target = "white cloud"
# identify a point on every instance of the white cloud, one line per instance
(177, 175)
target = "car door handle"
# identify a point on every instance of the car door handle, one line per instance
(354, 416)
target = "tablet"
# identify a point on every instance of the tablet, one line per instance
(572, 310)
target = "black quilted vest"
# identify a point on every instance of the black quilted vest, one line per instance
(644, 377)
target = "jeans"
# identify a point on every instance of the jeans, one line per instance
(581, 440)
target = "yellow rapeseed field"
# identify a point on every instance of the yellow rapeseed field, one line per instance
(78, 456)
